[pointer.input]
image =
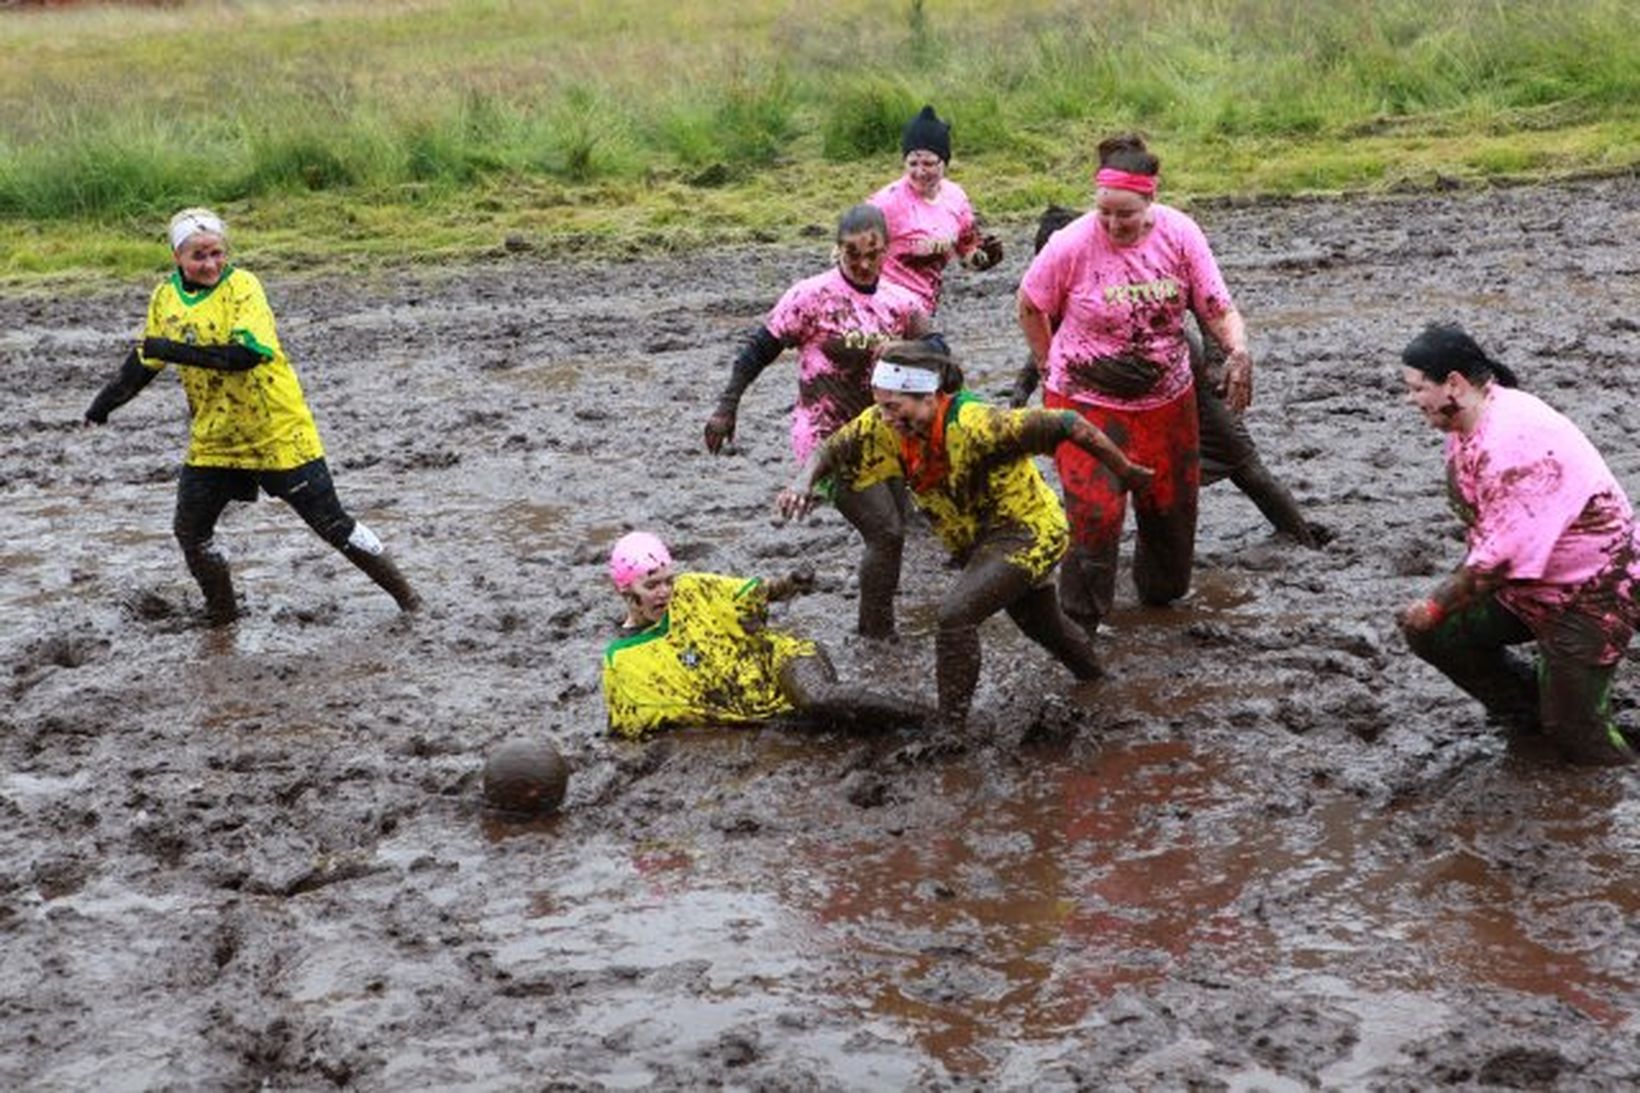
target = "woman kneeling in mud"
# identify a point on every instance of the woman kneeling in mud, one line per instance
(1552, 553)
(250, 427)
(695, 650)
(968, 468)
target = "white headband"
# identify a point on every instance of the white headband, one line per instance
(897, 377)
(191, 222)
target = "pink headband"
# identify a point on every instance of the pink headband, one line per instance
(1113, 179)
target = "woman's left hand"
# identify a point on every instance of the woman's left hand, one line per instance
(1138, 477)
(792, 503)
(1238, 380)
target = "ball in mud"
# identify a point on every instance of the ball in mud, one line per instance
(525, 777)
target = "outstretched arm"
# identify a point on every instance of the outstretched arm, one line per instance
(132, 377)
(796, 583)
(1045, 430)
(757, 353)
(797, 499)
(1230, 332)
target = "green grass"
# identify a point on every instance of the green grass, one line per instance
(366, 133)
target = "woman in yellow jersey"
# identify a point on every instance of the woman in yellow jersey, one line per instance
(249, 425)
(695, 650)
(968, 468)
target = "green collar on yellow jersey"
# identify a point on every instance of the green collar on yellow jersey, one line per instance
(192, 298)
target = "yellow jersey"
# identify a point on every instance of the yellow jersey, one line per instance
(253, 420)
(989, 486)
(708, 661)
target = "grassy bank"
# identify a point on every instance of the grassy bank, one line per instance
(386, 132)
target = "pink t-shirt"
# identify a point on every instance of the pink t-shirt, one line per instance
(1542, 507)
(1108, 301)
(923, 235)
(837, 330)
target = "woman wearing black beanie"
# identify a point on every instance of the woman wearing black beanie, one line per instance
(929, 217)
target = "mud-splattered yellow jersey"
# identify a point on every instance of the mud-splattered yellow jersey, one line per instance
(708, 661)
(991, 487)
(255, 420)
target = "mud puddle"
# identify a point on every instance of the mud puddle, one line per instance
(1269, 852)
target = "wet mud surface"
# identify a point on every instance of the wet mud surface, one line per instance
(1271, 851)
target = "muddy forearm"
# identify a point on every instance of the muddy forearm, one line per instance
(132, 377)
(1464, 588)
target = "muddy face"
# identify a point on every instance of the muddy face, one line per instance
(1269, 850)
(202, 258)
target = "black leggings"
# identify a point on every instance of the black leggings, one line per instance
(989, 583)
(203, 492)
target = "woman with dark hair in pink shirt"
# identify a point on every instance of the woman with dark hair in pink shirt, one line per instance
(1552, 553)
(1102, 309)
(838, 321)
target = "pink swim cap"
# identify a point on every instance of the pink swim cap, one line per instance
(637, 554)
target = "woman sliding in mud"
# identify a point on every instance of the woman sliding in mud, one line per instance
(1227, 448)
(1102, 309)
(1552, 555)
(837, 320)
(969, 470)
(929, 218)
(695, 650)
(249, 425)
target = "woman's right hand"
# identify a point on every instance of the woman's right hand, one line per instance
(1138, 477)
(720, 427)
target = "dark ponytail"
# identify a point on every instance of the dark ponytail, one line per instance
(1444, 348)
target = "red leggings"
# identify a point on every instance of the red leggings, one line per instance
(1165, 439)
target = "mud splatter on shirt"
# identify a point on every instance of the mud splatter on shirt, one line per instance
(1543, 510)
(708, 661)
(923, 236)
(990, 487)
(1127, 304)
(837, 330)
(253, 420)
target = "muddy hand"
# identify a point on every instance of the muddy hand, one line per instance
(1418, 616)
(988, 254)
(793, 504)
(1138, 477)
(720, 428)
(801, 579)
(1238, 380)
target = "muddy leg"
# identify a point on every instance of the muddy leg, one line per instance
(1576, 692)
(986, 585)
(1275, 501)
(1165, 549)
(201, 497)
(1038, 615)
(1470, 648)
(877, 513)
(811, 685)
(309, 490)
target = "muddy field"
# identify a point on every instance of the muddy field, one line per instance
(1270, 852)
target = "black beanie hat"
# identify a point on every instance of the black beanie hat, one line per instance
(926, 132)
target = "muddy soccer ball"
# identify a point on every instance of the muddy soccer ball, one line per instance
(525, 777)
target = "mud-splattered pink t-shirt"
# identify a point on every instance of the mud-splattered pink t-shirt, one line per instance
(1542, 507)
(1109, 301)
(923, 235)
(837, 330)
